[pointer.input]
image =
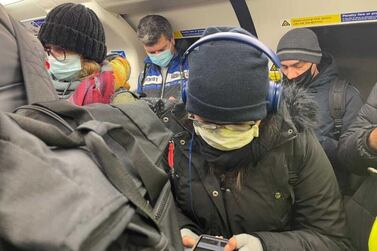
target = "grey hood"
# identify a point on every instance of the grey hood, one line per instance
(327, 71)
(23, 78)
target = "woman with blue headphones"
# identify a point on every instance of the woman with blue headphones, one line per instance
(248, 167)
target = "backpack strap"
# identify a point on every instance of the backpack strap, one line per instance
(144, 137)
(90, 134)
(143, 76)
(111, 56)
(337, 104)
(124, 90)
(112, 166)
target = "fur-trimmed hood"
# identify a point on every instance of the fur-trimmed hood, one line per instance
(297, 112)
(301, 108)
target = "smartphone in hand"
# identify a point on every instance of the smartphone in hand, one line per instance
(210, 243)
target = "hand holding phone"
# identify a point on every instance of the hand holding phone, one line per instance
(244, 242)
(210, 243)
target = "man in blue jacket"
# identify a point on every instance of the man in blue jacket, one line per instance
(305, 64)
(163, 75)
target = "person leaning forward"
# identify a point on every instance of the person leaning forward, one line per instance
(358, 152)
(164, 74)
(74, 40)
(307, 66)
(238, 171)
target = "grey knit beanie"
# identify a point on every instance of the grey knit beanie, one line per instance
(228, 80)
(299, 44)
(77, 28)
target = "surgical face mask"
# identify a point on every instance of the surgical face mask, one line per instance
(302, 80)
(161, 59)
(226, 137)
(65, 70)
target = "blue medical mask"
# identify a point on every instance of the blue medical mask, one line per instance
(161, 59)
(67, 70)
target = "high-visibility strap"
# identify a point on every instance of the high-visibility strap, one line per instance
(372, 243)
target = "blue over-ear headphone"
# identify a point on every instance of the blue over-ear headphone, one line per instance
(275, 89)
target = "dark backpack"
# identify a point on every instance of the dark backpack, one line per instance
(91, 178)
(337, 104)
(337, 107)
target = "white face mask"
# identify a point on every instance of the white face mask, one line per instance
(65, 70)
(226, 137)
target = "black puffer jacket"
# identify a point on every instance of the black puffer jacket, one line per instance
(23, 78)
(354, 151)
(357, 156)
(319, 89)
(288, 197)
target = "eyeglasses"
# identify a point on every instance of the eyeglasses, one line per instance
(57, 52)
(216, 125)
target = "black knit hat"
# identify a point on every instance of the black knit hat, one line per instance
(77, 28)
(299, 44)
(228, 80)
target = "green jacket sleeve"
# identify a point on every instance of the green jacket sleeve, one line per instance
(319, 220)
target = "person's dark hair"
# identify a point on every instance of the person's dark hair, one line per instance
(151, 28)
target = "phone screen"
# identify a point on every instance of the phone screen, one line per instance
(210, 243)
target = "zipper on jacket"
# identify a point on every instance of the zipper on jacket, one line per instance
(162, 205)
(163, 82)
(171, 155)
(222, 182)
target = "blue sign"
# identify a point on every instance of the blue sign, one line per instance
(38, 22)
(192, 33)
(359, 16)
(119, 52)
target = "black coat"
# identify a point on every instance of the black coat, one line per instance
(357, 156)
(353, 150)
(319, 89)
(289, 197)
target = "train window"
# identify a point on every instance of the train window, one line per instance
(182, 44)
(354, 49)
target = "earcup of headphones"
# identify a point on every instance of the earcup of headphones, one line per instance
(275, 91)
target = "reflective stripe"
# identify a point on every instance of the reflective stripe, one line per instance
(299, 52)
(153, 80)
(372, 244)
